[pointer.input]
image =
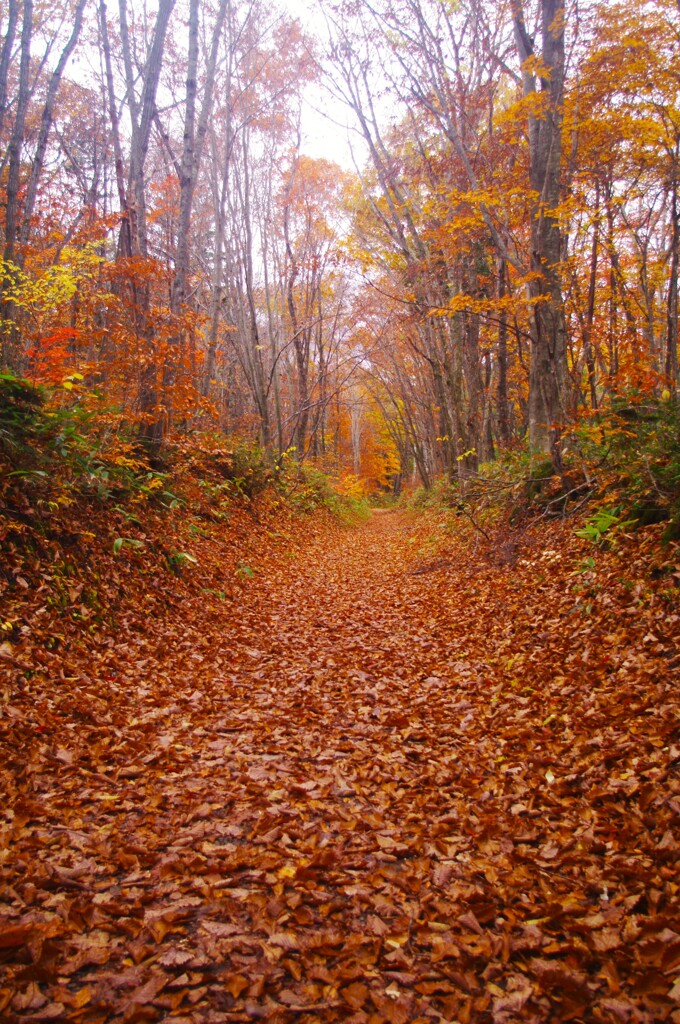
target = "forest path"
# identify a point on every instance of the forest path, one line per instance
(393, 782)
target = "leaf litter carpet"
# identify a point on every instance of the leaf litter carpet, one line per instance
(390, 780)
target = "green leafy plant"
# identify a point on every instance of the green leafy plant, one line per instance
(130, 542)
(178, 560)
(244, 571)
(634, 448)
(602, 522)
(21, 411)
(308, 488)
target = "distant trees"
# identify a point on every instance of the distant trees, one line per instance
(521, 206)
(30, 79)
(212, 284)
(506, 259)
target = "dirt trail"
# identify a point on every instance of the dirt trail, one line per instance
(374, 789)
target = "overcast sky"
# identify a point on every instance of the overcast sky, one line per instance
(324, 119)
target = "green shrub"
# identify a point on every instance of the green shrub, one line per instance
(442, 494)
(635, 451)
(21, 413)
(602, 523)
(307, 489)
(229, 467)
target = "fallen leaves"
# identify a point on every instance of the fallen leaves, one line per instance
(357, 793)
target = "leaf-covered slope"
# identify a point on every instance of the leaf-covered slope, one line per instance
(381, 779)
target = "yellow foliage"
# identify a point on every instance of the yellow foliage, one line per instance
(352, 486)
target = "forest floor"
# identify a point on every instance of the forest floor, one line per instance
(389, 773)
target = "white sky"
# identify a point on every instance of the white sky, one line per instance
(325, 131)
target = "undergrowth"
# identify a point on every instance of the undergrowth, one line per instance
(91, 522)
(634, 452)
(308, 489)
(62, 453)
(620, 470)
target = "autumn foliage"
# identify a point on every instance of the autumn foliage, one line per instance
(199, 268)
(266, 754)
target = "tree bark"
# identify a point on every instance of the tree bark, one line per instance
(502, 403)
(10, 355)
(6, 56)
(588, 354)
(125, 241)
(671, 361)
(141, 116)
(548, 372)
(46, 123)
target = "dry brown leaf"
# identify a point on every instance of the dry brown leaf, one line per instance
(411, 803)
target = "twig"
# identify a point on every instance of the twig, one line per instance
(13, 661)
(563, 499)
(480, 529)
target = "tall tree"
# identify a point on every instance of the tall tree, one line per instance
(133, 235)
(543, 88)
(46, 121)
(20, 196)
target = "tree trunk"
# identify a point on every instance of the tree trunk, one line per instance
(503, 406)
(671, 361)
(10, 356)
(46, 123)
(6, 56)
(141, 116)
(192, 150)
(548, 372)
(588, 353)
(125, 244)
(17, 137)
